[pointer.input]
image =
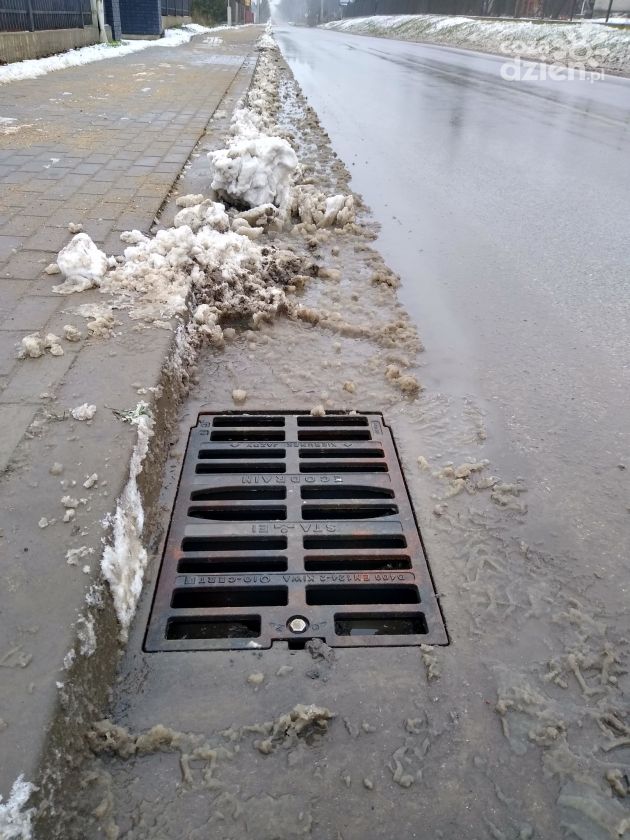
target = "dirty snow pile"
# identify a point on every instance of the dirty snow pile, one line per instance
(210, 250)
(588, 45)
(35, 67)
(230, 274)
(15, 823)
(260, 167)
(205, 250)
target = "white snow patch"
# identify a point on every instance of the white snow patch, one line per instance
(254, 171)
(33, 68)
(82, 264)
(15, 821)
(86, 634)
(73, 555)
(124, 561)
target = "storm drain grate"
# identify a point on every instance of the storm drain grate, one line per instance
(289, 527)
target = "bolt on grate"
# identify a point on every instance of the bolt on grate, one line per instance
(288, 527)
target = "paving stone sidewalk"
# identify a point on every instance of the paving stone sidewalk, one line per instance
(101, 145)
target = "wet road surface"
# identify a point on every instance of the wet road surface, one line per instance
(502, 206)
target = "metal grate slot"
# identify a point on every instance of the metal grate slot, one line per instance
(350, 511)
(246, 434)
(230, 627)
(367, 594)
(228, 467)
(290, 527)
(229, 597)
(236, 494)
(332, 420)
(348, 466)
(334, 434)
(381, 624)
(356, 563)
(355, 541)
(233, 420)
(342, 453)
(234, 543)
(237, 513)
(238, 454)
(231, 565)
(345, 491)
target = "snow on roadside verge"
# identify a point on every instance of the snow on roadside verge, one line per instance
(124, 560)
(15, 823)
(35, 67)
(572, 44)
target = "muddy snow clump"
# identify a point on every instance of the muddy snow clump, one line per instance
(405, 382)
(205, 213)
(71, 333)
(32, 346)
(189, 200)
(82, 264)
(83, 412)
(52, 343)
(298, 723)
(314, 208)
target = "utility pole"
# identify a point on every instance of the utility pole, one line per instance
(609, 10)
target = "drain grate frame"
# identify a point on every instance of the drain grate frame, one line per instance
(287, 527)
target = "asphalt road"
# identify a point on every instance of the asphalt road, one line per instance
(504, 208)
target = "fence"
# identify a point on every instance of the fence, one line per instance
(176, 8)
(35, 15)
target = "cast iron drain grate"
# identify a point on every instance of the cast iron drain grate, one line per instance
(289, 527)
